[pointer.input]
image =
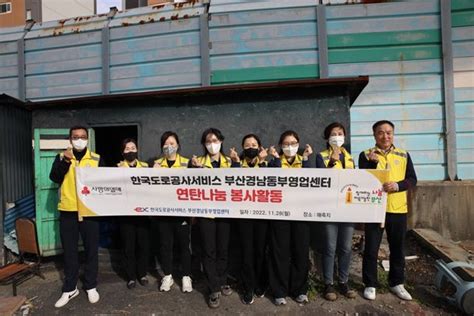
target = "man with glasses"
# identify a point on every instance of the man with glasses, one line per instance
(70, 225)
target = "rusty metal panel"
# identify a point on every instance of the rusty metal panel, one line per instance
(159, 13)
(157, 47)
(68, 26)
(63, 58)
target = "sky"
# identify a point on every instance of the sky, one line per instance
(103, 6)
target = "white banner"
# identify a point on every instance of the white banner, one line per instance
(261, 193)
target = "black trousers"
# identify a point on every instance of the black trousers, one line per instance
(289, 258)
(136, 245)
(171, 229)
(69, 230)
(253, 237)
(215, 235)
(396, 228)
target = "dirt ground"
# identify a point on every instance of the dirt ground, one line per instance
(116, 299)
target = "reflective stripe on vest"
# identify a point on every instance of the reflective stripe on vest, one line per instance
(140, 164)
(297, 163)
(244, 164)
(206, 161)
(348, 161)
(396, 162)
(67, 191)
(180, 162)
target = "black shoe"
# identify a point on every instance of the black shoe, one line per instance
(143, 281)
(131, 284)
(330, 293)
(214, 300)
(247, 298)
(346, 290)
(259, 292)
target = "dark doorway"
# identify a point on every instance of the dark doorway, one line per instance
(108, 142)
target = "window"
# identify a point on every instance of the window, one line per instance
(5, 7)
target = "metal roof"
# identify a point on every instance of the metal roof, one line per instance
(354, 86)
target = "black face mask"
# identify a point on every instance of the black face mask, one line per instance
(251, 152)
(130, 156)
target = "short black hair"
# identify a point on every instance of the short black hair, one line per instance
(286, 134)
(126, 141)
(259, 143)
(76, 127)
(252, 136)
(209, 131)
(382, 122)
(166, 135)
(330, 127)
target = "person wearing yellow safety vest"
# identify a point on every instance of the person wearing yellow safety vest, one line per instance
(174, 228)
(134, 230)
(402, 177)
(289, 240)
(215, 233)
(70, 225)
(337, 236)
(253, 232)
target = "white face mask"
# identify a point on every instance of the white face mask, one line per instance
(79, 144)
(290, 151)
(169, 150)
(213, 148)
(336, 141)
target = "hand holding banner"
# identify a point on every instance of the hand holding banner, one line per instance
(328, 195)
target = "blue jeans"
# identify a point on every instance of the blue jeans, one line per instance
(338, 240)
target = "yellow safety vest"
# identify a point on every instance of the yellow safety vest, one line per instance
(348, 161)
(244, 163)
(395, 161)
(139, 164)
(206, 161)
(67, 191)
(297, 163)
(180, 162)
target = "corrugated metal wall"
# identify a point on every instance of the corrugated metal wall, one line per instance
(146, 56)
(397, 44)
(63, 62)
(262, 41)
(9, 60)
(16, 154)
(462, 13)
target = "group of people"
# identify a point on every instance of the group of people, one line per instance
(275, 253)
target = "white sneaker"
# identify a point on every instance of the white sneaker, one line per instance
(280, 301)
(399, 290)
(66, 297)
(187, 284)
(370, 293)
(166, 283)
(93, 295)
(302, 299)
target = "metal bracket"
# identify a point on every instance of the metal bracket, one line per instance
(448, 77)
(322, 41)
